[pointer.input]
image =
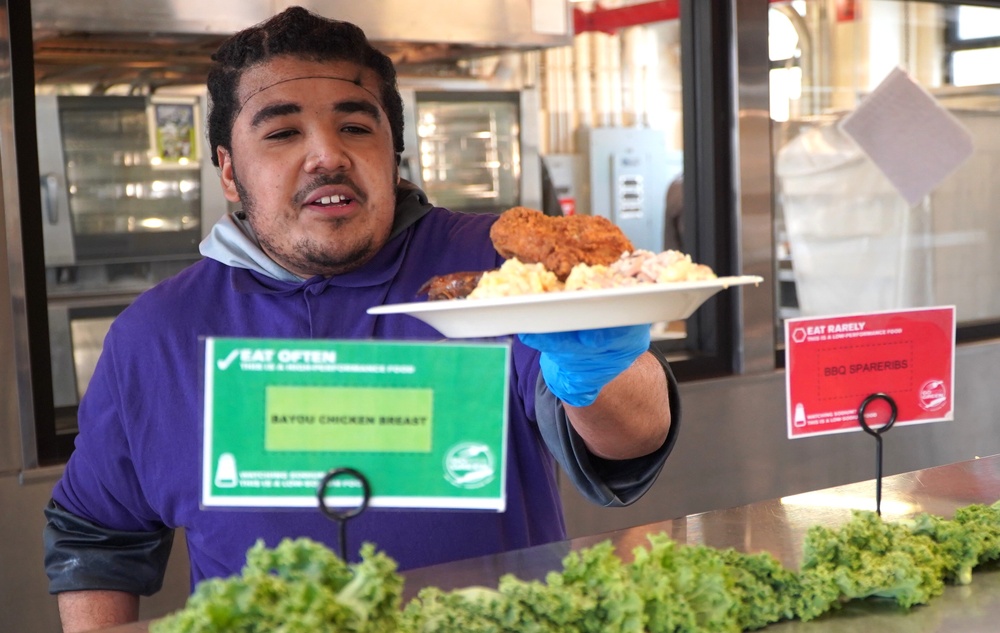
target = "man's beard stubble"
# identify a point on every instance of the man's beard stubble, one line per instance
(307, 255)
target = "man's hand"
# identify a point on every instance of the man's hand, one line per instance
(577, 365)
(615, 393)
(88, 610)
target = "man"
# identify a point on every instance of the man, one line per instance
(306, 129)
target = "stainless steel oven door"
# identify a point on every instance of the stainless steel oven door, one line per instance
(76, 334)
(112, 187)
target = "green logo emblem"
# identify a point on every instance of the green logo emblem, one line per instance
(469, 465)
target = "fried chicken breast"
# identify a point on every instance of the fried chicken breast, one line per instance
(558, 243)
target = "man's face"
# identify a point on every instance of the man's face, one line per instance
(312, 163)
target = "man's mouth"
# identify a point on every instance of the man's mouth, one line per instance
(333, 200)
(332, 192)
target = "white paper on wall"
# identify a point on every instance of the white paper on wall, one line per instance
(912, 138)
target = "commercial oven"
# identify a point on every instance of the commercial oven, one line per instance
(127, 193)
(121, 178)
(474, 151)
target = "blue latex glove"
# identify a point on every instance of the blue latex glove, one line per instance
(577, 365)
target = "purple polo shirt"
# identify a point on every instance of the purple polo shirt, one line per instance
(137, 463)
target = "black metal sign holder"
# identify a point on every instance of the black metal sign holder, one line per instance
(342, 516)
(877, 434)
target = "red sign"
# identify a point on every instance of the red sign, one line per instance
(833, 363)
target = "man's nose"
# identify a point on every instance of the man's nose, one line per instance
(326, 153)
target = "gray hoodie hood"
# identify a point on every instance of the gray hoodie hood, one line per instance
(232, 242)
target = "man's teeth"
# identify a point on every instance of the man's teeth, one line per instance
(332, 199)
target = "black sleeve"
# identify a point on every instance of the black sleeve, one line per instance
(606, 482)
(80, 555)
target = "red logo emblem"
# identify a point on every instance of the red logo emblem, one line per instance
(932, 395)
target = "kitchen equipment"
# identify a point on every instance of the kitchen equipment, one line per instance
(628, 170)
(121, 178)
(469, 149)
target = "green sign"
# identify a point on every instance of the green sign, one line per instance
(425, 423)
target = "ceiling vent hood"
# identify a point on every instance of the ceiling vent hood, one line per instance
(170, 41)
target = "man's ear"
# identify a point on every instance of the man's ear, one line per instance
(226, 175)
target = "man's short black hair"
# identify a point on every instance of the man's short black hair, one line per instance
(298, 33)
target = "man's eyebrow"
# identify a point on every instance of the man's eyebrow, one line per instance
(274, 110)
(349, 107)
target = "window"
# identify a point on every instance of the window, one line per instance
(973, 38)
(784, 52)
(846, 239)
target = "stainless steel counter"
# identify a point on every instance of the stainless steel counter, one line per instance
(778, 526)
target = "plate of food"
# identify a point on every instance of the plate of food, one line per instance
(562, 274)
(567, 310)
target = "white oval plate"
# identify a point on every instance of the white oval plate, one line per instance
(565, 311)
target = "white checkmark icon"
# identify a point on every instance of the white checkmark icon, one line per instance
(228, 360)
